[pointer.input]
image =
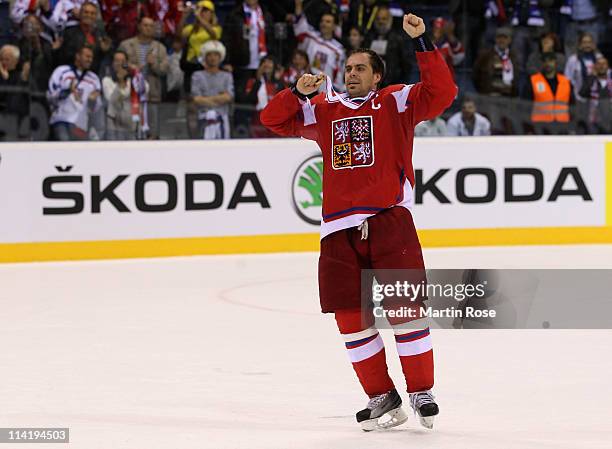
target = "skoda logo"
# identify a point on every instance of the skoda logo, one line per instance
(307, 190)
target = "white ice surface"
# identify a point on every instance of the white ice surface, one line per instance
(232, 353)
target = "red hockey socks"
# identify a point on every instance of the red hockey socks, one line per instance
(416, 354)
(366, 351)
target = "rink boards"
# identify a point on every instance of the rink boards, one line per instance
(91, 200)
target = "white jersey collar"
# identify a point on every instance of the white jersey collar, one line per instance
(353, 103)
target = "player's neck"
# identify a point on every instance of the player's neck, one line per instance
(360, 96)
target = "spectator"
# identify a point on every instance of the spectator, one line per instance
(495, 16)
(551, 94)
(431, 128)
(580, 64)
(362, 14)
(42, 9)
(443, 33)
(125, 96)
(496, 71)
(584, 17)
(281, 10)
(315, 9)
(13, 82)
(168, 14)
(203, 30)
(212, 90)
(39, 51)
(324, 51)
(549, 43)
(355, 39)
(148, 56)
(391, 46)
(121, 18)
(248, 35)
(175, 77)
(259, 90)
(469, 16)
(66, 13)
(528, 22)
(597, 89)
(74, 93)
(299, 65)
(85, 33)
(468, 122)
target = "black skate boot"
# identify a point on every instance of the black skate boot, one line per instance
(383, 412)
(423, 404)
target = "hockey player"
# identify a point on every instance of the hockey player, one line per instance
(366, 137)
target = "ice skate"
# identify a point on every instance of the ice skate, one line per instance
(383, 412)
(423, 404)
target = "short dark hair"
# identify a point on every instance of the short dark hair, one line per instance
(468, 99)
(302, 53)
(88, 3)
(121, 52)
(267, 57)
(86, 47)
(329, 13)
(377, 63)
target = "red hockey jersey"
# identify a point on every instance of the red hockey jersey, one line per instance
(366, 142)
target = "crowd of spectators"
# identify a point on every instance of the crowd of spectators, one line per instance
(143, 69)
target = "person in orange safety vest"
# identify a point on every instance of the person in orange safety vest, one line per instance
(551, 94)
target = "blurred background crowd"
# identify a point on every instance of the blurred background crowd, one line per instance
(151, 69)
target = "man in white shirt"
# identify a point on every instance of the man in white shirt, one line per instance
(74, 93)
(468, 122)
(324, 51)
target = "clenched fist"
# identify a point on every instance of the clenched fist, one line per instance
(308, 84)
(413, 25)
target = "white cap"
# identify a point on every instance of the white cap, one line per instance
(210, 46)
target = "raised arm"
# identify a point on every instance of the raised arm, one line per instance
(301, 25)
(291, 113)
(436, 90)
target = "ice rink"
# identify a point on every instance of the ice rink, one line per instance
(231, 352)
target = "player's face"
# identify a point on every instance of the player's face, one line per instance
(359, 77)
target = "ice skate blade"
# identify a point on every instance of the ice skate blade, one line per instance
(392, 418)
(427, 421)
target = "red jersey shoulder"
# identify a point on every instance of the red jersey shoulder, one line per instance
(396, 95)
(390, 89)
